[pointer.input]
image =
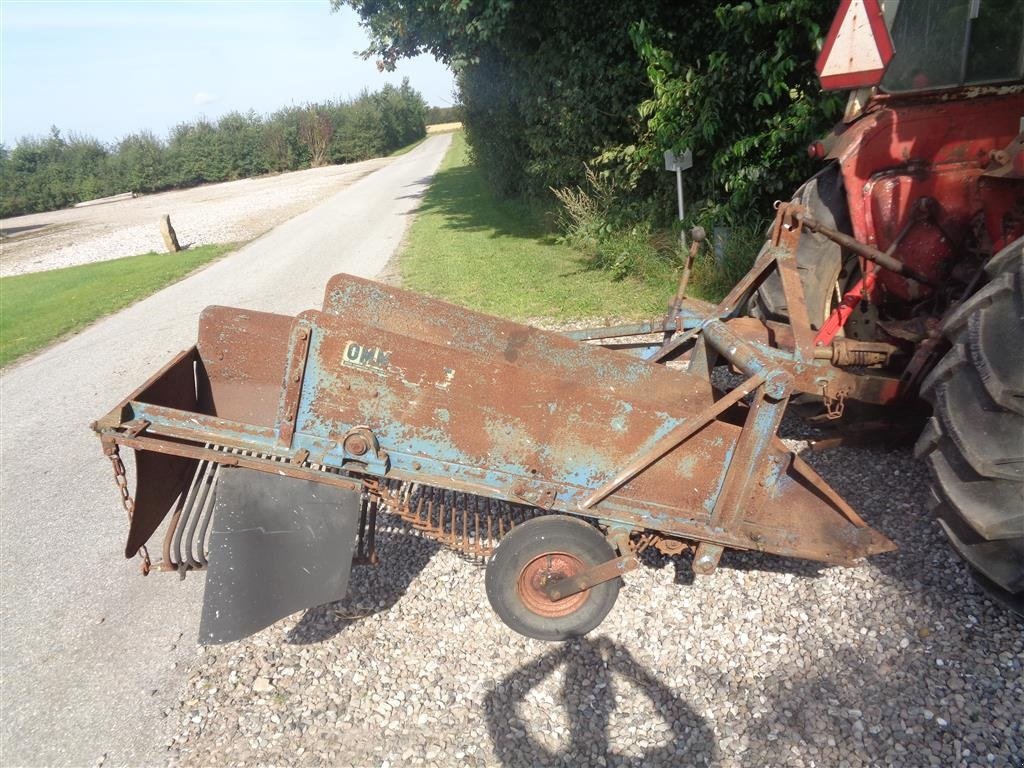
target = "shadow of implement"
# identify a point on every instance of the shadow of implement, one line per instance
(588, 697)
(372, 589)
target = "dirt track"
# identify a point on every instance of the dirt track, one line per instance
(235, 211)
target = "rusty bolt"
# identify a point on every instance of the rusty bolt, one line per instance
(518, 489)
(297, 377)
(417, 466)
(303, 333)
(356, 445)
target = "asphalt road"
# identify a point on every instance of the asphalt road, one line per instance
(92, 654)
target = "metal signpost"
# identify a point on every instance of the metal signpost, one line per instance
(679, 164)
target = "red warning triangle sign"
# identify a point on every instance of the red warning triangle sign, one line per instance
(858, 47)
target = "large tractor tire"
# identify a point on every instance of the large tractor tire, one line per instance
(819, 260)
(974, 441)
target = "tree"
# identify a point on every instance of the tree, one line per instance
(140, 163)
(550, 88)
(315, 131)
(41, 174)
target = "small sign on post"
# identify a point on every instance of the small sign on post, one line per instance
(679, 163)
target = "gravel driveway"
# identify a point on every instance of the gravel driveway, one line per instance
(767, 662)
(231, 212)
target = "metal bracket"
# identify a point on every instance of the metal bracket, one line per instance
(618, 536)
(361, 446)
(591, 577)
(135, 427)
(298, 350)
(534, 494)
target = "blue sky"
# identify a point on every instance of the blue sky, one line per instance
(110, 68)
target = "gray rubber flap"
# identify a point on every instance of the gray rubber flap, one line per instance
(278, 545)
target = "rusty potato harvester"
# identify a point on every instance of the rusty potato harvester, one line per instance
(271, 449)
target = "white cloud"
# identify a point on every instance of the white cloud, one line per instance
(202, 97)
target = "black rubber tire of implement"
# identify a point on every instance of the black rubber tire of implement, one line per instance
(819, 260)
(526, 543)
(974, 442)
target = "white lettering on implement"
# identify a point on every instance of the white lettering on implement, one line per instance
(373, 359)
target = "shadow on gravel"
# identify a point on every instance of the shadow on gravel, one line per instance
(371, 589)
(16, 231)
(588, 698)
(734, 560)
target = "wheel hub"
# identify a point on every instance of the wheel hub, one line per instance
(541, 571)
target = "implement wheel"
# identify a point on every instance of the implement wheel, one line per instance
(536, 553)
(974, 442)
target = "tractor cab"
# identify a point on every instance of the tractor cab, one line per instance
(942, 44)
(918, 46)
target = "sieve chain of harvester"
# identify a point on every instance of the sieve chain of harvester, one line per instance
(471, 525)
(468, 524)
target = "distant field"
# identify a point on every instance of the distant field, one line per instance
(444, 127)
(228, 212)
(39, 308)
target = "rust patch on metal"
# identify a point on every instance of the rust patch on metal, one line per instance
(551, 567)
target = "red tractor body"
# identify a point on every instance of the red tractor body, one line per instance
(952, 156)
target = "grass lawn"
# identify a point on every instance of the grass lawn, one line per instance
(39, 308)
(491, 255)
(408, 147)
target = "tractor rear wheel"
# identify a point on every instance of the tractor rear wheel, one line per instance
(974, 441)
(819, 260)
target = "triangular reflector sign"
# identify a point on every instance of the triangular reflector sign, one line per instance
(857, 49)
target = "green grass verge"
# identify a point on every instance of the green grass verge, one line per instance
(408, 147)
(495, 256)
(711, 281)
(39, 308)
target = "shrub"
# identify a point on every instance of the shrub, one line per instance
(44, 174)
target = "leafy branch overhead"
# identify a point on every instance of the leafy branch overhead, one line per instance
(550, 88)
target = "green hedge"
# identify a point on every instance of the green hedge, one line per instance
(551, 88)
(53, 172)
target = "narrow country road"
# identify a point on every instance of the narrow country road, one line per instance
(92, 654)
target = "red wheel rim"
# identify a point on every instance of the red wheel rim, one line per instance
(551, 566)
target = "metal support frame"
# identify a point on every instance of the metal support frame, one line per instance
(793, 348)
(591, 577)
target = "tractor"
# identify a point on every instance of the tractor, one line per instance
(926, 168)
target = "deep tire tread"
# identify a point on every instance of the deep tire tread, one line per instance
(974, 442)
